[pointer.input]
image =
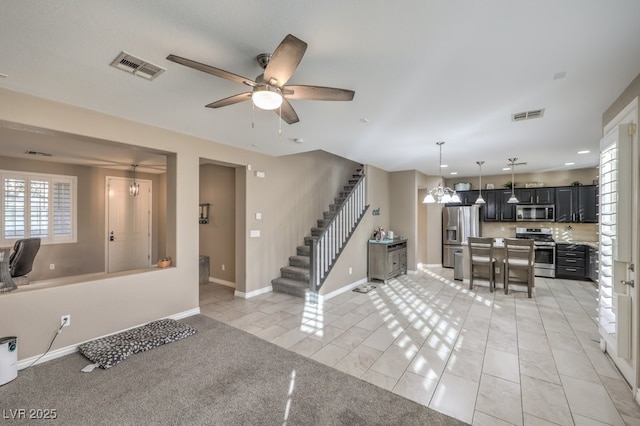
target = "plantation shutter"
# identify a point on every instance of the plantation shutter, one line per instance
(39, 208)
(14, 207)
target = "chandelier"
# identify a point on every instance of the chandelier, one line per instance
(134, 188)
(441, 194)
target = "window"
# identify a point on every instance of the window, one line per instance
(37, 205)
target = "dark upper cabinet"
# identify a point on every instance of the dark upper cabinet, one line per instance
(526, 195)
(535, 195)
(507, 211)
(467, 198)
(566, 203)
(492, 206)
(577, 204)
(545, 196)
(588, 204)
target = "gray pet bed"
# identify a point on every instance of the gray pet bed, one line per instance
(111, 350)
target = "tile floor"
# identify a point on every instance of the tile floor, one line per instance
(484, 358)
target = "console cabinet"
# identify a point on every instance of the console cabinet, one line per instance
(387, 259)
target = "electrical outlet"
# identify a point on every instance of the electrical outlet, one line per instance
(52, 266)
(65, 321)
(223, 266)
(350, 270)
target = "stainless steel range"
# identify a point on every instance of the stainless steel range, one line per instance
(545, 249)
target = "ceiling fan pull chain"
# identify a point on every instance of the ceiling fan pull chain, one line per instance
(253, 115)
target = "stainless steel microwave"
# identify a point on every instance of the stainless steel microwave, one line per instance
(534, 213)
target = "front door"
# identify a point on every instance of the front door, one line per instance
(128, 225)
(618, 177)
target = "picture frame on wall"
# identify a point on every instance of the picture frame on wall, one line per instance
(490, 186)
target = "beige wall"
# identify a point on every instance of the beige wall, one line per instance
(283, 197)
(355, 253)
(403, 201)
(430, 228)
(87, 255)
(217, 238)
(630, 93)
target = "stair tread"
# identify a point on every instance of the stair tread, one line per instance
(290, 282)
(296, 269)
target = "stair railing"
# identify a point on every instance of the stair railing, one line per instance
(326, 247)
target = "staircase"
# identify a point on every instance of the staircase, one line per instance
(313, 261)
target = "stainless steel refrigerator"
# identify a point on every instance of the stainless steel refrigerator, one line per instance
(458, 224)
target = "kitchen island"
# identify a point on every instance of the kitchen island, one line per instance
(498, 254)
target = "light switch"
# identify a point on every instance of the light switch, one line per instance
(258, 216)
(249, 167)
(259, 174)
(255, 233)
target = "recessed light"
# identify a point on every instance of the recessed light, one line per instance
(586, 151)
(569, 164)
(443, 165)
(560, 75)
(506, 168)
(453, 173)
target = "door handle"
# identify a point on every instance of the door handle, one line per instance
(111, 236)
(629, 282)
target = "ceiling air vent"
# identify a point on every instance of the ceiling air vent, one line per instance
(137, 66)
(527, 115)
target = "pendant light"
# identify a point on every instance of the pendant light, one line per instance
(480, 200)
(513, 199)
(134, 188)
(441, 194)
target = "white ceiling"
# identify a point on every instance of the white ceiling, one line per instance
(423, 71)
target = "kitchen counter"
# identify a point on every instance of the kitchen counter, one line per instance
(592, 244)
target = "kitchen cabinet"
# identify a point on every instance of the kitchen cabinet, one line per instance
(507, 211)
(593, 265)
(492, 206)
(467, 198)
(535, 195)
(571, 261)
(588, 204)
(577, 204)
(387, 259)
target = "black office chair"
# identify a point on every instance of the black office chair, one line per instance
(21, 260)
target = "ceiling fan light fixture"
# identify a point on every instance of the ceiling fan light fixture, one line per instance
(266, 97)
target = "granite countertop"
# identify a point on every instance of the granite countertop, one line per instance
(592, 244)
(388, 240)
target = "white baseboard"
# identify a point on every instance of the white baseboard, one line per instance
(57, 353)
(222, 282)
(253, 293)
(341, 290)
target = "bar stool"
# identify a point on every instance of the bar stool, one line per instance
(518, 255)
(481, 255)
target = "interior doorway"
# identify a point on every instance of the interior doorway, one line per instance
(128, 224)
(217, 235)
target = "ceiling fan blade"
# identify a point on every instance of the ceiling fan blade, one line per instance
(318, 93)
(288, 113)
(241, 97)
(284, 61)
(211, 70)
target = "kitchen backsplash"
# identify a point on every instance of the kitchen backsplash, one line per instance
(562, 232)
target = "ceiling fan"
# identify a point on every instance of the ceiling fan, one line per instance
(268, 89)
